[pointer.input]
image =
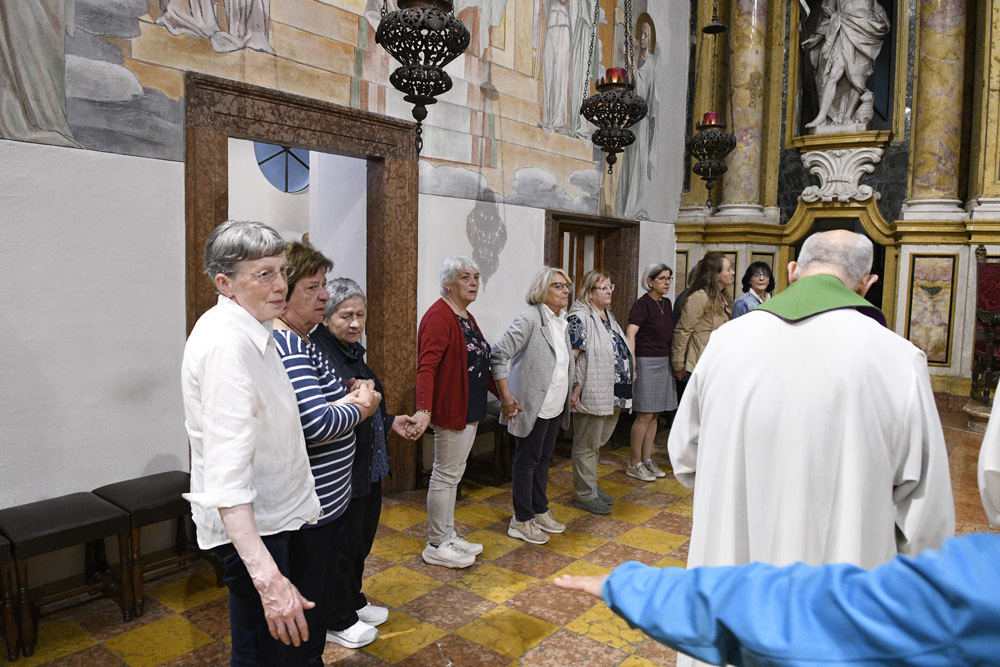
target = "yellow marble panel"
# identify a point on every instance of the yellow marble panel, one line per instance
(188, 592)
(603, 469)
(317, 18)
(399, 585)
(649, 539)
(309, 49)
(580, 568)
(635, 661)
(557, 490)
(603, 625)
(402, 636)
(402, 516)
(494, 544)
(168, 81)
(312, 82)
(684, 507)
(574, 544)
(494, 583)
(632, 513)
(398, 548)
(478, 491)
(480, 516)
(56, 639)
(615, 489)
(159, 641)
(563, 513)
(670, 562)
(507, 631)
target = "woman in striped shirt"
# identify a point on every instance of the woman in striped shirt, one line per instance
(329, 412)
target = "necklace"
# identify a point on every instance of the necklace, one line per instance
(659, 304)
(304, 337)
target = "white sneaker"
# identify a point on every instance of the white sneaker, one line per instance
(639, 472)
(447, 555)
(651, 466)
(465, 546)
(548, 523)
(373, 615)
(358, 635)
(527, 531)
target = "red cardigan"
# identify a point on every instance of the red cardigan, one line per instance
(442, 367)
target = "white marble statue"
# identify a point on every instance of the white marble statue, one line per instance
(555, 46)
(248, 23)
(842, 50)
(639, 159)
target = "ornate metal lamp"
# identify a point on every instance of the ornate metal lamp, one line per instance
(424, 36)
(614, 107)
(714, 140)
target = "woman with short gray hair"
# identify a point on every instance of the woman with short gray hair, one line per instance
(339, 338)
(251, 485)
(533, 368)
(453, 375)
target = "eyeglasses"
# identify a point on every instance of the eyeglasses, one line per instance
(664, 280)
(606, 288)
(267, 276)
(761, 275)
(559, 286)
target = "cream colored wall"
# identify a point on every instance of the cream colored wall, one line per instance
(252, 197)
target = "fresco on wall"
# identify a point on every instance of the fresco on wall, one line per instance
(562, 36)
(639, 159)
(931, 304)
(247, 21)
(487, 232)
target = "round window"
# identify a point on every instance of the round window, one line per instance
(285, 168)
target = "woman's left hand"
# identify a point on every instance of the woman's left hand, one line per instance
(511, 408)
(404, 425)
(354, 383)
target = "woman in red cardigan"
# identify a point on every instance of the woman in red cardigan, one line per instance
(453, 375)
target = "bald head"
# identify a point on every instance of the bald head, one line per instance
(840, 253)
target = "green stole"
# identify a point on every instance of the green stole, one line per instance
(817, 294)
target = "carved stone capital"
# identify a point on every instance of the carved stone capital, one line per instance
(839, 172)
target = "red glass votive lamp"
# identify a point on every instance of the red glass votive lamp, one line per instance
(711, 118)
(615, 75)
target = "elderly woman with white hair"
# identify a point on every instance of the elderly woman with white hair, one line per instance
(251, 485)
(453, 375)
(649, 333)
(533, 369)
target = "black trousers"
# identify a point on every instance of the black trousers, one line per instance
(352, 545)
(530, 476)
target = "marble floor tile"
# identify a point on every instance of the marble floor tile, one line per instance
(657, 541)
(416, 498)
(656, 653)
(534, 561)
(437, 572)
(551, 603)
(448, 607)
(402, 516)
(564, 649)
(56, 639)
(453, 651)
(574, 544)
(580, 568)
(632, 513)
(399, 585)
(681, 552)
(652, 498)
(95, 656)
(671, 523)
(494, 583)
(103, 618)
(562, 477)
(402, 636)
(212, 618)
(507, 631)
(183, 594)
(603, 625)
(601, 525)
(375, 564)
(503, 500)
(383, 531)
(683, 507)
(613, 554)
(213, 655)
(159, 642)
(481, 516)
(670, 486)
(398, 547)
(670, 561)
(616, 489)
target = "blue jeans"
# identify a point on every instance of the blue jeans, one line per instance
(253, 645)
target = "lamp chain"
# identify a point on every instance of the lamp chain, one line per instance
(590, 54)
(629, 40)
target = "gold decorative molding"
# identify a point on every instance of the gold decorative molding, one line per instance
(866, 139)
(728, 232)
(928, 232)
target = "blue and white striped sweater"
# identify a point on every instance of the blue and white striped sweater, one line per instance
(328, 429)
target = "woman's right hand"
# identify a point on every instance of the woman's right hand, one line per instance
(421, 420)
(283, 606)
(510, 407)
(681, 374)
(366, 399)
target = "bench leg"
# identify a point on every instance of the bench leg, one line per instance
(138, 594)
(10, 632)
(28, 636)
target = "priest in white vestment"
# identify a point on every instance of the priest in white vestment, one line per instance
(989, 468)
(809, 430)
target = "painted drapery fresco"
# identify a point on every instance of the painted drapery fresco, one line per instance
(109, 76)
(931, 305)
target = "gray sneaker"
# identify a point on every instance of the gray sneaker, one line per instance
(607, 498)
(447, 555)
(527, 531)
(465, 546)
(652, 467)
(594, 505)
(548, 523)
(639, 472)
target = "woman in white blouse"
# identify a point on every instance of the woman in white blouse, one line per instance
(251, 486)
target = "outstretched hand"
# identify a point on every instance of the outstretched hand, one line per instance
(591, 585)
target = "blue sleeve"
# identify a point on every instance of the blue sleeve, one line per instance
(739, 308)
(321, 420)
(936, 610)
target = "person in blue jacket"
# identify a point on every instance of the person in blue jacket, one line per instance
(940, 609)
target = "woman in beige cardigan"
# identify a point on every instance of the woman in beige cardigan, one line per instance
(706, 308)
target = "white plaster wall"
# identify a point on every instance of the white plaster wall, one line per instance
(657, 243)
(338, 213)
(93, 325)
(442, 234)
(252, 197)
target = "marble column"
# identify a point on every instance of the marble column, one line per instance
(937, 125)
(741, 185)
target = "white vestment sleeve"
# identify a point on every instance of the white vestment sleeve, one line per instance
(682, 444)
(925, 509)
(989, 470)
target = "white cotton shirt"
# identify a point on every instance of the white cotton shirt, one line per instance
(989, 468)
(555, 398)
(243, 425)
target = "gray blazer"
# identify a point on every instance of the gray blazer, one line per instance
(526, 356)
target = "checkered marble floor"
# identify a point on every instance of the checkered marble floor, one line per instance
(501, 612)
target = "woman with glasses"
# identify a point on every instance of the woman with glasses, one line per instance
(532, 366)
(328, 414)
(602, 385)
(251, 488)
(649, 332)
(453, 376)
(706, 307)
(758, 283)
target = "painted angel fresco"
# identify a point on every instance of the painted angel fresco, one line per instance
(639, 159)
(248, 23)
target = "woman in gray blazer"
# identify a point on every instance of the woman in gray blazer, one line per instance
(533, 368)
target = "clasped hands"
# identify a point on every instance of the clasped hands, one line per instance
(364, 395)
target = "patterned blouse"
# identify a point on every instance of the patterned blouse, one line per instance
(479, 369)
